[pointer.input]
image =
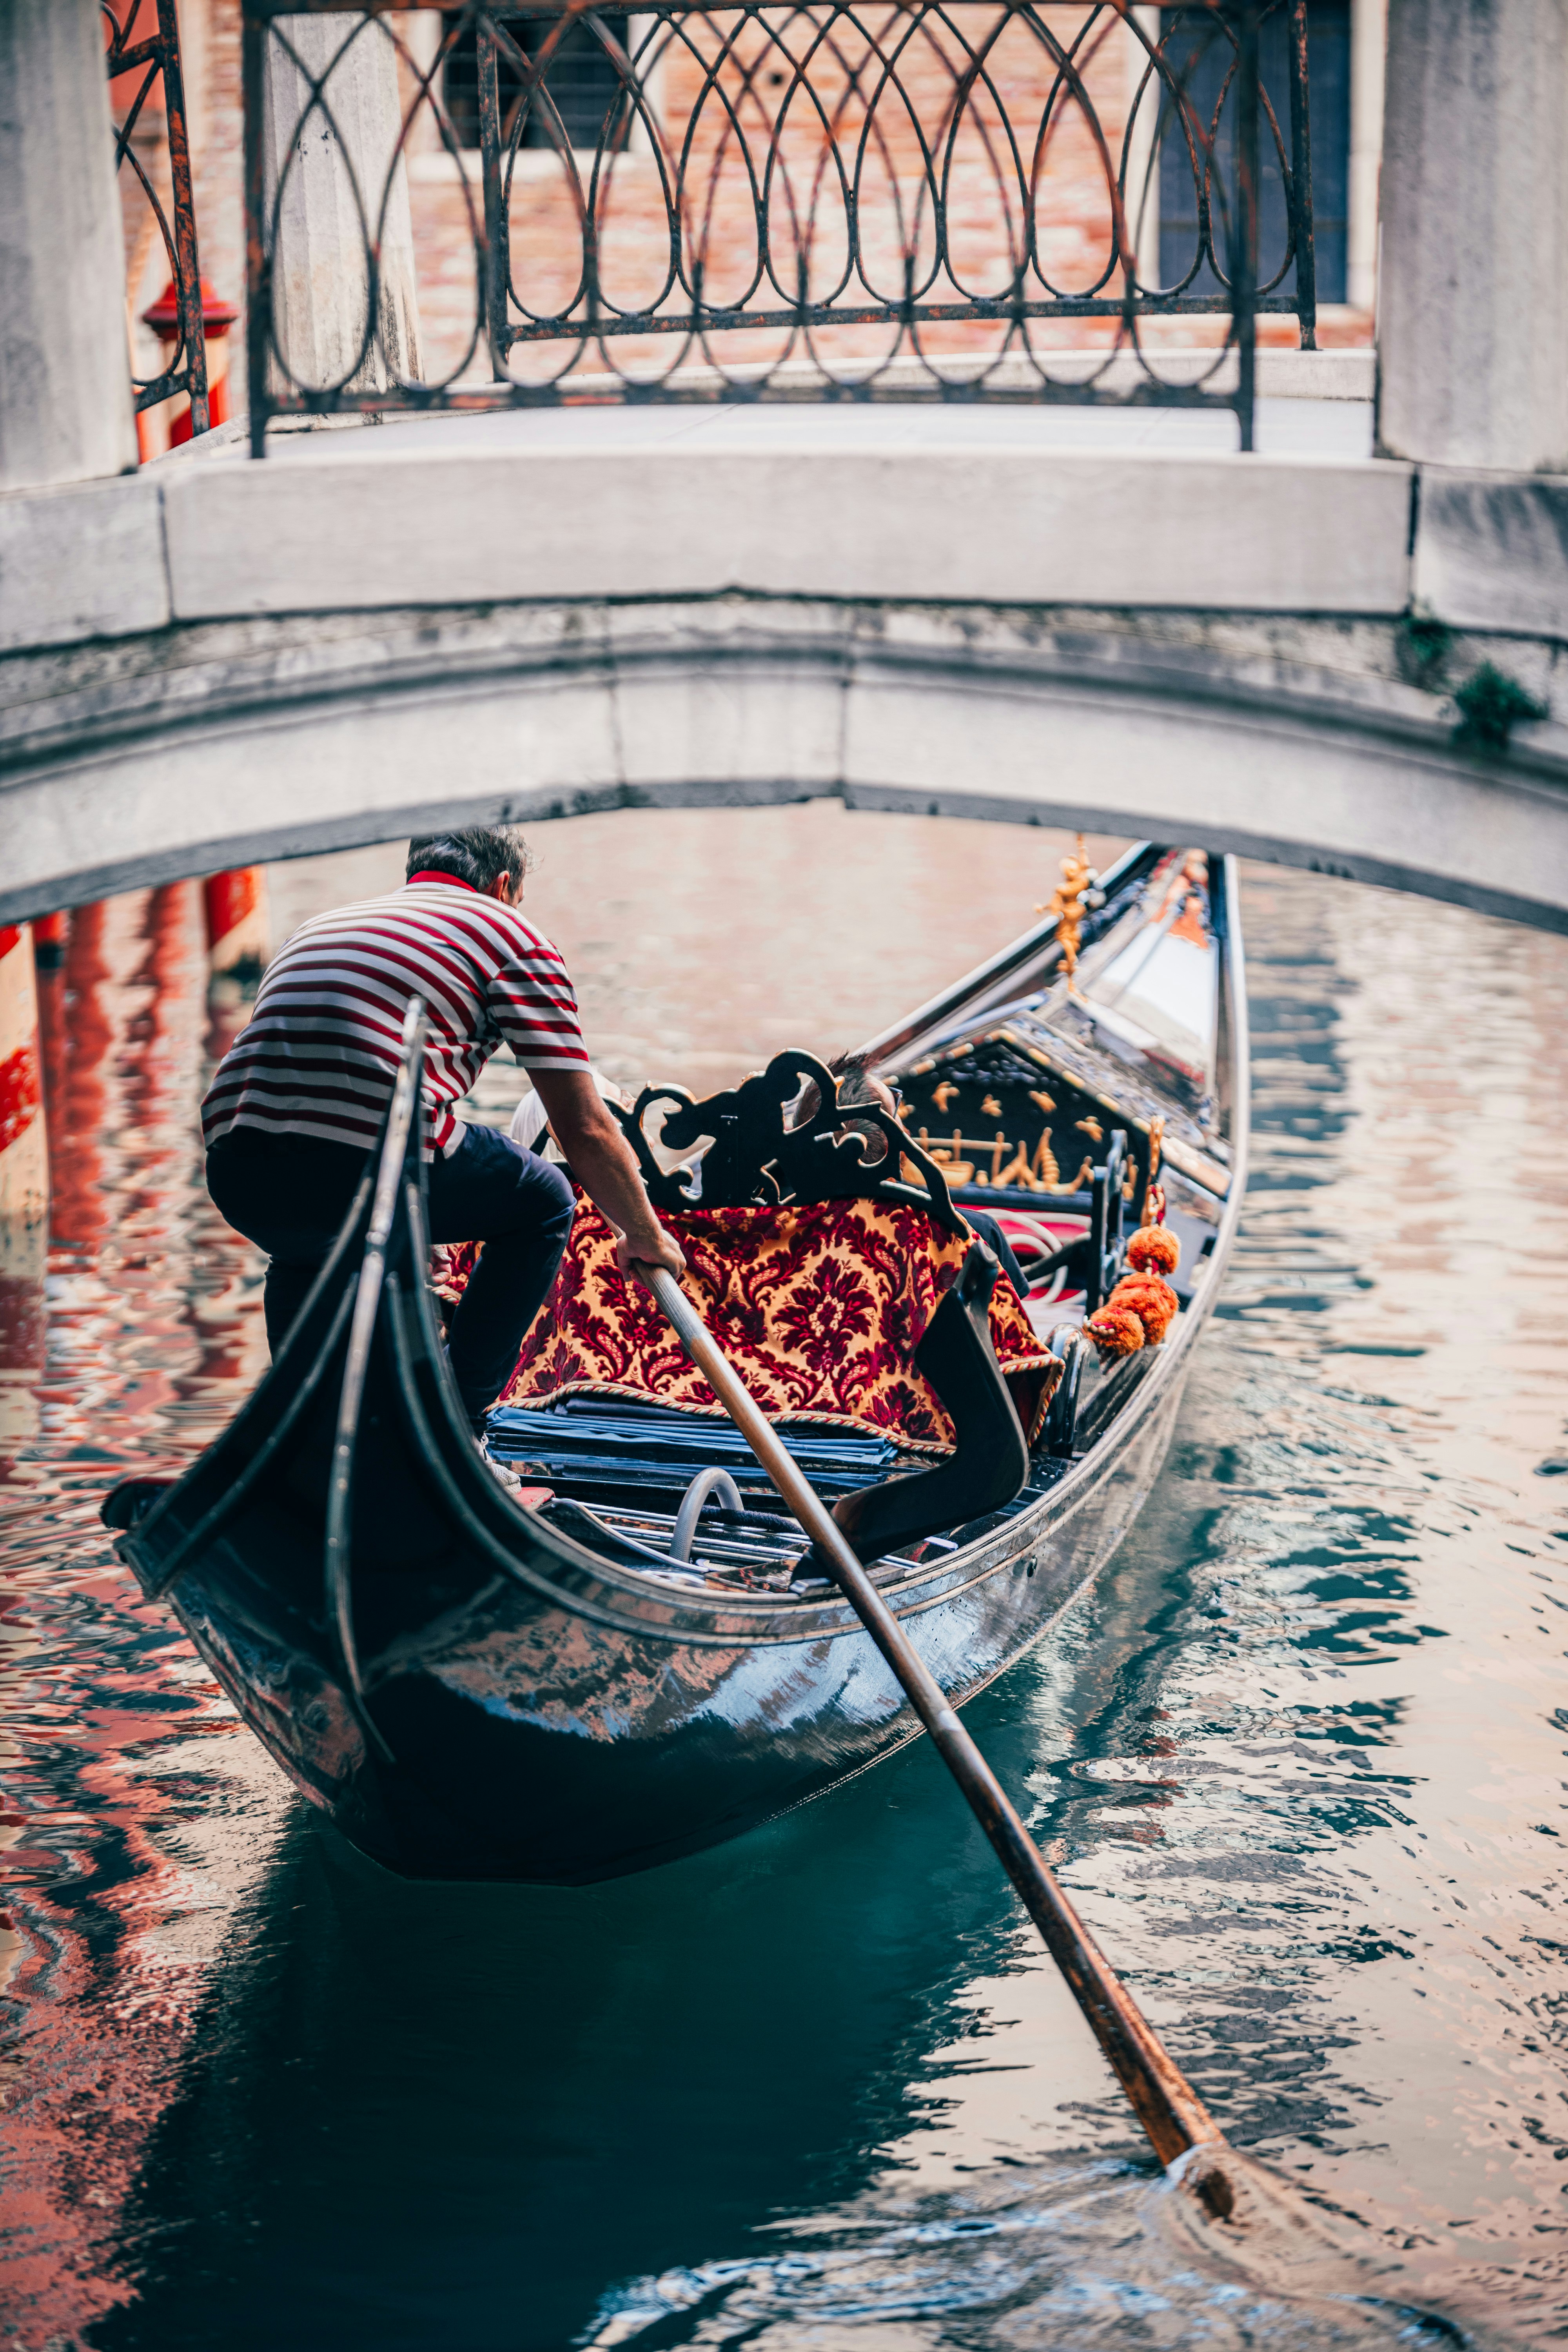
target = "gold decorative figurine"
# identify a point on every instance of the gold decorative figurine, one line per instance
(1070, 902)
(1154, 1208)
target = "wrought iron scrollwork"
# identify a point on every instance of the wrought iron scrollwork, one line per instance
(768, 1144)
(692, 202)
(158, 54)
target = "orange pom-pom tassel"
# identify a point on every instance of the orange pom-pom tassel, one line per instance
(1115, 1330)
(1153, 1249)
(1152, 1301)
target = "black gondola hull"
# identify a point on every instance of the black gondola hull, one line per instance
(532, 1709)
(538, 1740)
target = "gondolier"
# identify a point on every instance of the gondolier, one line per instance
(297, 1100)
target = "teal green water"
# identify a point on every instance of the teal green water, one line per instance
(1299, 1757)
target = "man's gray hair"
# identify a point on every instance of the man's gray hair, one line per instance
(475, 853)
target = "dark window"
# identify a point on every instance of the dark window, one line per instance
(581, 81)
(1202, 57)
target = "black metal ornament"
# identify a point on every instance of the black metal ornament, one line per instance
(1092, 1260)
(1106, 1220)
(764, 1147)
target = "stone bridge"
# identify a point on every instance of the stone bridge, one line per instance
(1039, 616)
(212, 662)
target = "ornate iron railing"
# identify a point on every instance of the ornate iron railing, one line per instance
(159, 54)
(843, 199)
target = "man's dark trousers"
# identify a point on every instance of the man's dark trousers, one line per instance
(289, 1195)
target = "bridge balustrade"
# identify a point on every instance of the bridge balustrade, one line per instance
(851, 199)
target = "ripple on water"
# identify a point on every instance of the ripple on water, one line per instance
(1081, 2256)
(1299, 1758)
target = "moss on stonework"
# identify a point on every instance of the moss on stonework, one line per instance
(1422, 648)
(1491, 704)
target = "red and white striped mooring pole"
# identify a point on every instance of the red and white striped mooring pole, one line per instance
(217, 317)
(24, 1195)
(236, 905)
(24, 1151)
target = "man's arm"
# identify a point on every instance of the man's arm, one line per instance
(603, 1164)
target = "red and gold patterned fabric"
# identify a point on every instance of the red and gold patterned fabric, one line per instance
(820, 1306)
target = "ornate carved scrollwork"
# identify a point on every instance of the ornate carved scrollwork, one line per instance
(766, 1147)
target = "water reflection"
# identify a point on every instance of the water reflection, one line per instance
(1298, 1757)
(121, 1766)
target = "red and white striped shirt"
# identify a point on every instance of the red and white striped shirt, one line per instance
(320, 1055)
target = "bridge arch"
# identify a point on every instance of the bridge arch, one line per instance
(214, 744)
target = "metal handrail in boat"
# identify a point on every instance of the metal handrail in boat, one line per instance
(337, 1558)
(707, 1483)
(1061, 1414)
(234, 1494)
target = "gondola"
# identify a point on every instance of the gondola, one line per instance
(646, 1657)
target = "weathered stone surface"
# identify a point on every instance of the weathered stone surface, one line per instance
(1473, 301)
(337, 178)
(1491, 552)
(328, 526)
(65, 369)
(86, 561)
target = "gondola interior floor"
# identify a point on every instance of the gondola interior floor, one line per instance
(627, 1466)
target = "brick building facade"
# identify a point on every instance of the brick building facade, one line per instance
(717, 115)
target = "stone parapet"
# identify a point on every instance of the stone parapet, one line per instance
(339, 528)
(1491, 550)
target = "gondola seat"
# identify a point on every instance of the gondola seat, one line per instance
(837, 1276)
(822, 1306)
(843, 1314)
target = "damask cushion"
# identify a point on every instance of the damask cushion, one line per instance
(819, 1305)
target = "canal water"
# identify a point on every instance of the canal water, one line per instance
(1299, 1757)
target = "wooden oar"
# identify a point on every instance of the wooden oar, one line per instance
(1167, 2106)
